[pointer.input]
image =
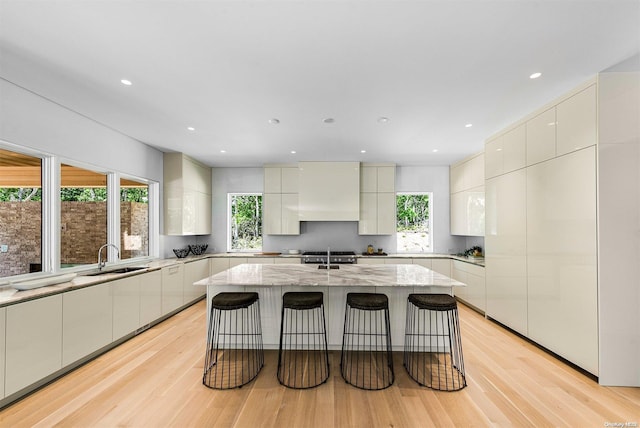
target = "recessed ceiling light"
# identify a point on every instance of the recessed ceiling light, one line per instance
(191, 128)
(498, 150)
(363, 151)
(293, 152)
(383, 119)
(126, 82)
(535, 75)
(468, 125)
(551, 124)
(329, 120)
(274, 121)
(435, 150)
(223, 151)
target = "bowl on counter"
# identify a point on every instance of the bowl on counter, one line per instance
(198, 249)
(294, 251)
(181, 253)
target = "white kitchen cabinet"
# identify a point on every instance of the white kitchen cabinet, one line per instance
(377, 200)
(272, 179)
(467, 197)
(329, 191)
(541, 137)
(235, 261)
(172, 288)
(187, 196)
(218, 264)
(423, 262)
(195, 271)
(442, 266)
(150, 297)
(474, 276)
(280, 201)
(514, 149)
(370, 260)
(3, 315)
(467, 215)
(33, 342)
(506, 250)
(87, 321)
(397, 261)
(456, 178)
(126, 305)
(261, 260)
(506, 152)
(577, 121)
(288, 260)
(562, 257)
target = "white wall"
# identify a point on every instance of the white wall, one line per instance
(619, 227)
(28, 120)
(337, 235)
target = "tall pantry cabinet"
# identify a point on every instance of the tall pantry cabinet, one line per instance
(541, 247)
(562, 228)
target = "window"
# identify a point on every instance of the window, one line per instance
(20, 213)
(413, 222)
(134, 219)
(245, 222)
(83, 215)
(55, 215)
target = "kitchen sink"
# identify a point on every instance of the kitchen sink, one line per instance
(115, 271)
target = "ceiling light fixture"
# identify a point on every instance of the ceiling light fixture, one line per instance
(329, 120)
(274, 121)
(383, 119)
(468, 125)
(126, 82)
(435, 150)
(223, 151)
(191, 128)
(363, 151)
(293, 152)
(535, 75)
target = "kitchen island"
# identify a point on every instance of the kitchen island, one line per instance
(271, 281)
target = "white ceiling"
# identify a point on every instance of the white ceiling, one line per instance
(227, 67)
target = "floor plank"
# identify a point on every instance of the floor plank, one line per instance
(155, 379)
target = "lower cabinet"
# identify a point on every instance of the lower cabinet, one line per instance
(442, 266)
(87, 321)
(474, 293)
(195, 271)
(150, 297)
(126, 305)
(33, 347)
(172, 287)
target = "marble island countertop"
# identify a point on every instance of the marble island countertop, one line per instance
(269, 275)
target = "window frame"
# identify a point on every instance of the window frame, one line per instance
(229, 222)
(431, 210)
(51, 213)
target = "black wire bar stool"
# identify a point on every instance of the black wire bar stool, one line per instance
(303, 356)
(366, 361)
(432, 343)
(235, 354)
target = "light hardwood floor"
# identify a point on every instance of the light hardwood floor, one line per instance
(155, 380)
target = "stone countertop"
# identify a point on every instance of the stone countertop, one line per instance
(10, 296)
(476, 261)
(270, 275)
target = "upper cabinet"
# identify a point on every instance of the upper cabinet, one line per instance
(506, 152)
(467, 196)
(187, 196)
(377, 199)
(577, 121)
(280, 200)
(329, 191)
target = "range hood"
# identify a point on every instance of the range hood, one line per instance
(329, 191)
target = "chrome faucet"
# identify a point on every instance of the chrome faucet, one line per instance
(101, 264)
